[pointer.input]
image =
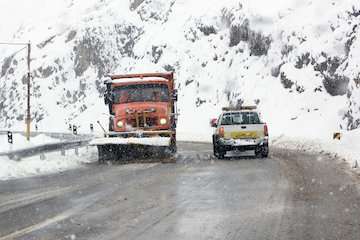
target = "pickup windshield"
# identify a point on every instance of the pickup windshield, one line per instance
(141, 93)
(240, 118)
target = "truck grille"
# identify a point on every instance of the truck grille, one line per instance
(150, 122)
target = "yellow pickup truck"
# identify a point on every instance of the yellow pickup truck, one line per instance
(240, 129)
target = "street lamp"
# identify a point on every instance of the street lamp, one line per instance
(28, 114)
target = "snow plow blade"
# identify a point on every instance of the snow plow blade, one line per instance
(147, 149)
(149, 141)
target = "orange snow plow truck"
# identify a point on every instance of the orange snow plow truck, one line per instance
(143, 116)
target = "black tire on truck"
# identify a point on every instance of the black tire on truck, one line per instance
(168, 154)
(217, 152)
(265, 151)
(173, 147)
(262, 152)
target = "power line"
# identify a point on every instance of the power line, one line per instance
(14, 44)
(12, 55)
(9, 43)
(18, 51)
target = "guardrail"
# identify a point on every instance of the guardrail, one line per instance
(59, 135)
(49, 147)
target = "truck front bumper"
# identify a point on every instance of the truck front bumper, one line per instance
(144, 141)
(141, 134)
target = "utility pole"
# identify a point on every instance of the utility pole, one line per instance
(28, 113)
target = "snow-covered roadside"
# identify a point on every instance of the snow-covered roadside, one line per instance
(46, 164)
(20, 142)
(348, 148)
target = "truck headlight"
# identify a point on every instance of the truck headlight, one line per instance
(120, 124)
(163, 121)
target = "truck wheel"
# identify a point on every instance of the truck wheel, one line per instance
(173, 147)
(167, 154)
(265, 152)
(262, 152)
(218, 154)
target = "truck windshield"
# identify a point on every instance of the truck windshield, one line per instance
(141, 93)
(240, 118)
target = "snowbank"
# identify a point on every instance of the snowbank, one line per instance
(46, 164)
(20, 142)
(348, 148)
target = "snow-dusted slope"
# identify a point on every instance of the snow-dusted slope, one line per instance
(298, 60)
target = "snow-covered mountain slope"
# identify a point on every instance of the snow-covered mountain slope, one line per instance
(297, 59)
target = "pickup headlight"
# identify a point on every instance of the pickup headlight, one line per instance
(120, 124)
(163, 121)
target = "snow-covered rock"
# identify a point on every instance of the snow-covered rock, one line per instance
(298, 60)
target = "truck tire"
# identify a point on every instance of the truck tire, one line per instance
(167, 154)
(262, 152)
(221, 155)
(217, 153)
(173, 148)
(265, 152)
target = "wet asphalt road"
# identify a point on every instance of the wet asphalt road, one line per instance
(291, 195)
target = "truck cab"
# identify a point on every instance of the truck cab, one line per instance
(240, 129)
(144, 102)
(142, 113)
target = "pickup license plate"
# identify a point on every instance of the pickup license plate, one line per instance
(244, 134)
(242, 142)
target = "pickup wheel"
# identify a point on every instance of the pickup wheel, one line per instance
(217, 153)
(262, 152)
(264, 155)
(221, 155)
(265, 151)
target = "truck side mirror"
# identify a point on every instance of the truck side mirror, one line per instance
(213, 122)
(175, 95)
(106, 99)
(109, 98)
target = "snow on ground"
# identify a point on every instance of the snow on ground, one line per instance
(348, 148)
(208, 71)
(46, 164)
(20, 142)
